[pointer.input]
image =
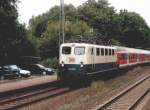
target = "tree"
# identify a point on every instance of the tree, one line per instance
(99, 15)
(37, 25)
(13, 42)
(133, 29)
(122, 28)
(50, 38)
(44, 29)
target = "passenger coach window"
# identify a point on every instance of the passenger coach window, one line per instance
(102, 52)
(110, 52)
(92, 51)
(66, 50)
(106, 52)
(79, 50)
(113, 52)
(97, 51)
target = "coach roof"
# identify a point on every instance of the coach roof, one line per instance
(85, 44)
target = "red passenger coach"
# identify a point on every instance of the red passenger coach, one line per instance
(122, 58)
(133, 57)
(141, 57)
(129, 56)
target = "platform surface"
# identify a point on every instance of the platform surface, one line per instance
(10, 86)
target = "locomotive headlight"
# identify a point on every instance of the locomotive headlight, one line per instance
(81, 64)
(62, 64)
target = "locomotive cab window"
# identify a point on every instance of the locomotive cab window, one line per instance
(79, 50)
(66, 50)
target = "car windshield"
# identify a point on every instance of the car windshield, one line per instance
(13, 67)
(41, 66)
(79, 50)
(66, 50)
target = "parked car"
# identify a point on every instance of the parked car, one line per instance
(13, 71)
(9, 71)
(24, 73)
(39, 69)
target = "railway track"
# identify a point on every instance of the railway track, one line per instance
(17, 102)
(129, 98)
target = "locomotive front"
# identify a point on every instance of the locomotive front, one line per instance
(72, 59)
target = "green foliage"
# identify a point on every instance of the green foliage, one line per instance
(116, 42)
(38, 24)
(127, 28)
(134, 30)
(98, 15)
(50, 38)
(44, 30)
(51, 62)
(49, 41)
(13, 41)
(76, 29)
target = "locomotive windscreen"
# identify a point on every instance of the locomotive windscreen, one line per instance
(79, 50)
(66, 50)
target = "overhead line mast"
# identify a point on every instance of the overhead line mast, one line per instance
(62, 23)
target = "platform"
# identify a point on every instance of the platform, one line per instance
(10, 86)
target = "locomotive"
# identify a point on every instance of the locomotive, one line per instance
(83, 58)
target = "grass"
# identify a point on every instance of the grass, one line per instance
(93, 89)
(65, 107)
(99, 87)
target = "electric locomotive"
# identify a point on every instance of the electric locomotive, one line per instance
(82, 59)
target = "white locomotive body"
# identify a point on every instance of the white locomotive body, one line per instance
(82, 58)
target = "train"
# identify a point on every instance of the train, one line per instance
(78, 59)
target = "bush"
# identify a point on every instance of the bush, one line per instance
(51, 62)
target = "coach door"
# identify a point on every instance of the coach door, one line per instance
(93, 58)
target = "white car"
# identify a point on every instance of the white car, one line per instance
(24, 73)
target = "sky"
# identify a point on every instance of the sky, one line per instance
(29, 8)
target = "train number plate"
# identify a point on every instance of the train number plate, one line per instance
(71, 69)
